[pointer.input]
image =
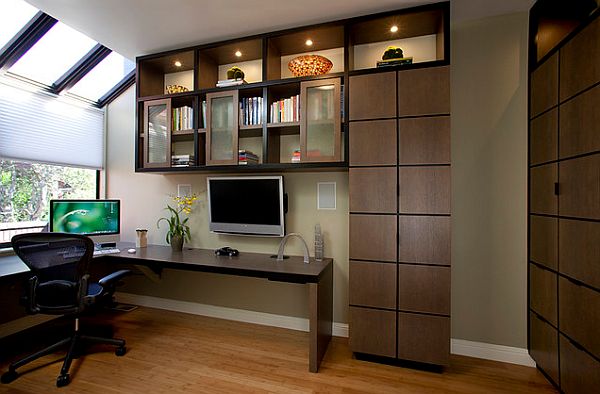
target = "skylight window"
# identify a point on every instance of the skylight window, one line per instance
(103, 77)
(53, 55)
(14, 14)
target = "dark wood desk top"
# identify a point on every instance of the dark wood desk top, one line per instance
(292, 269)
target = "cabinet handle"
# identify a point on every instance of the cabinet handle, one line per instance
(574, 281)
(556, 189)
(576, 345)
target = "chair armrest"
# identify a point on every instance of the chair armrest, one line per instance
(113, 278)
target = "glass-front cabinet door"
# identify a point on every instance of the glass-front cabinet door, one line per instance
(222, 128)
(157, 133)
(320, 121)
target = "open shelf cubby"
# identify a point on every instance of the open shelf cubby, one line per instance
(214, 61)
(156, 73)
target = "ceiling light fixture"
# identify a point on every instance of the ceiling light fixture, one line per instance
(394, 29)
(177, 63)
(238, 53)
(309, 42)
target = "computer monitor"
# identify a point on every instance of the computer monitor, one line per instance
(98, 219)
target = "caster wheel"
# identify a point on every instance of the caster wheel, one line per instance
(9, 376)
(120, 351)
(63, 380)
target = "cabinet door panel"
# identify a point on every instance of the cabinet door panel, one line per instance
(543, 344)
(543, 245)
(372, 284)
(578, 370)
(372, 331)
(425, 190)
(579, 250)
(424, 338)
(542, 293)
(424, 289)
(373, 143)
(373, 237)
(424, 239)
(544, 86)
(580, 124)
(222, 128)
(424, 91)
(579, 60)
(373, 189)
(542, 197)
(579, 311)
(372, 96)
(157, 133)
(424, 140)
(543, 146)
(579, 194)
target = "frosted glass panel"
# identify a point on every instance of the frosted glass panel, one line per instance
(157, 134)
(320, 126)
(221, 137)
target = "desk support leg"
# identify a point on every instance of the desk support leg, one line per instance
(321, 318)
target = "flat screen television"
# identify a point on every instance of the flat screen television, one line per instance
(249, 205)
(98, 219)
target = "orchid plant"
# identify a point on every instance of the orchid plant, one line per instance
(177, 225)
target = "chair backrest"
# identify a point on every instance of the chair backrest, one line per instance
(58, 263)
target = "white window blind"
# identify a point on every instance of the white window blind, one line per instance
(39, 127)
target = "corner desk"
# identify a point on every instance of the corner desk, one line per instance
(317, 275)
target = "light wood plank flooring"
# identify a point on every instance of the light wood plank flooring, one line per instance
(171, 352)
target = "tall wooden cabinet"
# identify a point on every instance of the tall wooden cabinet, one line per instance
(399, 186)
(564, 206)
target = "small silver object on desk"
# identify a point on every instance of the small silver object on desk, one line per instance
(284, 241)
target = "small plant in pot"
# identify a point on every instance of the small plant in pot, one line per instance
(178, 231)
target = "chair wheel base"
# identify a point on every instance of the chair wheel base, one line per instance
(9, 376)
(63, 380)
(120, 351)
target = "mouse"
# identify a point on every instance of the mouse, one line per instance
(130, 250)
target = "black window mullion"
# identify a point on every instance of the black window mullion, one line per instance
(118, 89)
(35, 29)
(81, 68)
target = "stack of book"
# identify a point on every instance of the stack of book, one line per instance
(230, 82)
(251, 109)
(296, 156)
(183, 118)
(246, 157)
(286, 110)
(395, 62)
(182, 160)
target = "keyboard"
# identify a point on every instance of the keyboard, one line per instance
(106, 251)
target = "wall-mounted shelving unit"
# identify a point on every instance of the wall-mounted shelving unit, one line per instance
(315, 126)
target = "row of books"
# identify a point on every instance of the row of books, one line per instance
(251, 109)
(182, 160)
(285, 110)
(246, 157)
(183, 118)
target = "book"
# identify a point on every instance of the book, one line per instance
(230, 82)
(395, 62)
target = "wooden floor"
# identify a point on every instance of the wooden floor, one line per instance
(171, 352)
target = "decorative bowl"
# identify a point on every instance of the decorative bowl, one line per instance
(176, 89)
(308, 65)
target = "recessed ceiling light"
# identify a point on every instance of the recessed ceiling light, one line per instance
(177, 63)
(238, 53)
(309, 42)
(394, 29)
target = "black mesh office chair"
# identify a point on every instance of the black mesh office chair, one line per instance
(59, 286)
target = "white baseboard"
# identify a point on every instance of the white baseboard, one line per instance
(489, 351)
(462, 347)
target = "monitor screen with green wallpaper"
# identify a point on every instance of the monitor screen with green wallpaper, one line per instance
(99, 219)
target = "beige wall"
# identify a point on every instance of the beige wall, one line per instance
(489, 180)
(145, 195)
(489, 139)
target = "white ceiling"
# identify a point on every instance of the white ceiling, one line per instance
(139, 27)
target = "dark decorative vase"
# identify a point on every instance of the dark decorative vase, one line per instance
(176, 243)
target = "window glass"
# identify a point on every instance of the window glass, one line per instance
(53, 55)
(26, 190)
(103, 77)
(14, 14)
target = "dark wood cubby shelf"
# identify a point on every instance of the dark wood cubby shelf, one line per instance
(352, 44)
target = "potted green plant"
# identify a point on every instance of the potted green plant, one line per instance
(179, 231)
